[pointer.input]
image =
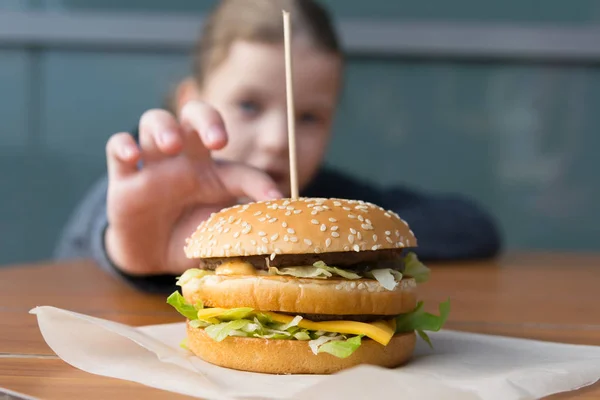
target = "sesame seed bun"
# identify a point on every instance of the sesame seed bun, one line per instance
(305, 225)
(302, 296)
(295, 356)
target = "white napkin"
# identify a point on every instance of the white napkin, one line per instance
(460, 366)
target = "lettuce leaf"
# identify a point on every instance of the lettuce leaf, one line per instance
(316, 344)
(318, 270)
(415, 269)
(338, 271)
(421, 321)
(220, 331)
(236, 313)
(341, 348)
(187, 310)
(387, 277)
(190, 274)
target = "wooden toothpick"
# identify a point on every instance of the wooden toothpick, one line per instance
(290, 105)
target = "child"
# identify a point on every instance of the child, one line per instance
(225, 141)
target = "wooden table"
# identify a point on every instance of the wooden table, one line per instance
(543, 296)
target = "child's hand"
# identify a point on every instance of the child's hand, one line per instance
(151, 210)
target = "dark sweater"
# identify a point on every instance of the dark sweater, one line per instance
(447, 227)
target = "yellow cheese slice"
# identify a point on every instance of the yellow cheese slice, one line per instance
(379, 331)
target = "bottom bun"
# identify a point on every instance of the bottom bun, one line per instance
(295, 356)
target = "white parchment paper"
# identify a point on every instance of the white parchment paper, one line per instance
(460, 366)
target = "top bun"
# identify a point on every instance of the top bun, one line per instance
(299, 226)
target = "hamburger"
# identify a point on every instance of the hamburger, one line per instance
(304, 286)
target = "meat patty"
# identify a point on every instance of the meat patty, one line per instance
(328, 317)
(351, 260)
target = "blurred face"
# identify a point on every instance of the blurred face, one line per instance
(248, 89)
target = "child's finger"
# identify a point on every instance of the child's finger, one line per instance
(203, 128)
(243, 181)
(160, 135)
(122, 155)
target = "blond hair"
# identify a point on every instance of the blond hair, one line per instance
(259, 21)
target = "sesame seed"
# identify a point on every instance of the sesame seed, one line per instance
(244, 224)
(262, 219)
(351, 216)
(256, 214)
(277, 250)
(399, 244)
(281, 207)
(375, 247)
(397, 233)
(236, 235)
(297, 211)
(272, 257)
(286, 203)
(308, 242)
(388, 233)
(274, 237)
(291, 231)
(367, 227)
(346, 208)
(389, 239)
(387, 215)
(284, 224)
(226, 246)
(247, 230)
(368, 221)
(334, 228)
(261, 233)
(353, 285)
(317, 250)
(361, 286)
(230, 220)
(290, 208)
(351, 238)
(288, 213)
(286, 238)
(332, 220)
(327, 242)
(361, 218)
(374, 238)
(337, 204)
(353, 231)
(272, 220)
(314, 222)
(335, 234)
(323, 228)
(253, 242)
(264, 249)
(346, 248)
(265, 240)
(313, 212)
(226, 230)
(293, 239)
(358, 235)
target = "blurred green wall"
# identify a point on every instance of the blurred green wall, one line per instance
(521, 139)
